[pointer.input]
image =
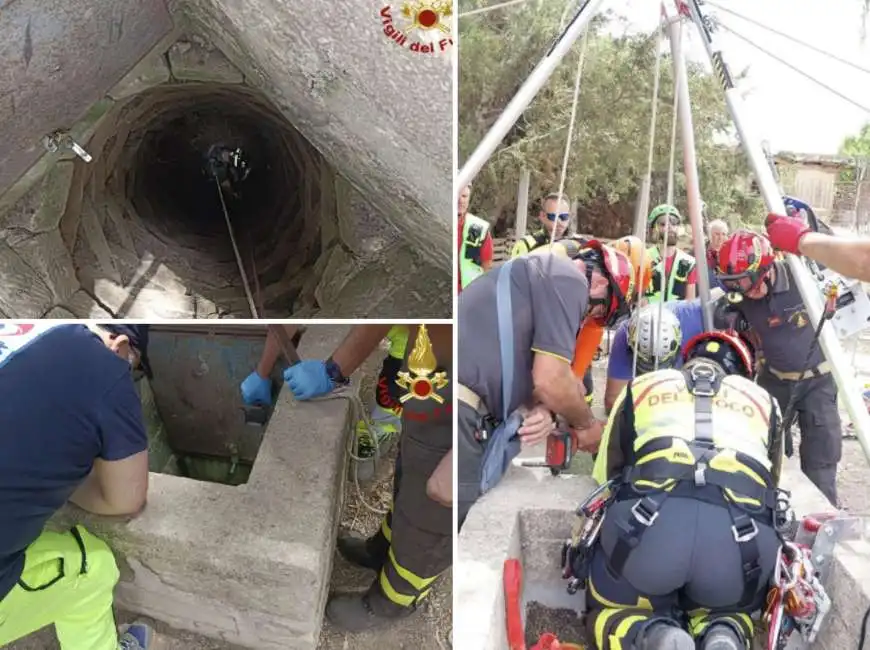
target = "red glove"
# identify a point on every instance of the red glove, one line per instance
(785, 232)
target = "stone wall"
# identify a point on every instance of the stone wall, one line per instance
(366, 234)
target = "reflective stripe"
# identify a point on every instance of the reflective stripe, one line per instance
(398, 338)
(401, 585)
(822, 369)
(468, 396)
(676, 284)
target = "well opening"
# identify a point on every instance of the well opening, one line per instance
(152, 218)
(197, 426)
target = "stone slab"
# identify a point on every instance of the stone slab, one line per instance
(528, 516)
(194, 60)
(249, 565)
(58, 57)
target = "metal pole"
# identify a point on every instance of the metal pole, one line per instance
(642, 211)
(849, 391)
(690, 169)
(522, 203)
(526, 93)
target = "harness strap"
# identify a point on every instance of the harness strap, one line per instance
(704, 382)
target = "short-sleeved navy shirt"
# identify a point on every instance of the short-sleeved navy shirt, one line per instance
(549, 298)
(783, 324)
(66, 401)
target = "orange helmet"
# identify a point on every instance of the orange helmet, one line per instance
(633, 248)
(724, 348)
(616, 267)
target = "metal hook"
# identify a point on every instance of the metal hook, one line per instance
(62, 139)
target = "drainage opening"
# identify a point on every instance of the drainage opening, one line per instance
(173, 220)
(197, 426)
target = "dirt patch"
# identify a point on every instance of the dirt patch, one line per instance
(564, 623)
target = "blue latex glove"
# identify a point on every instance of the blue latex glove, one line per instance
(308, 379)
(256, 390)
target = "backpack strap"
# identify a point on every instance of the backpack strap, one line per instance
(504, 309)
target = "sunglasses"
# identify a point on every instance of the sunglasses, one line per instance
(562, 216)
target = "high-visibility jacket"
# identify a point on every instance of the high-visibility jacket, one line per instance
(528, 243)
(677, 282)
(474, 233)
(699, 434)
(666, 424)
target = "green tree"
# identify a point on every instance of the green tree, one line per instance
(610, 148)
(857, 146)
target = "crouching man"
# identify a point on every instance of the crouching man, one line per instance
(72, 430)
(688, 546)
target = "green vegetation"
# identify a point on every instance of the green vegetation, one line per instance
(609, 153)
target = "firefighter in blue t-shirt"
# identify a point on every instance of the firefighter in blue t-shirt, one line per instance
(73, 432)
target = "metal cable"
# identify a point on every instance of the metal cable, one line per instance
(484, 10)
(574, 103)
(793, 68)
(250, 297)
(830, 55)
(657, 74)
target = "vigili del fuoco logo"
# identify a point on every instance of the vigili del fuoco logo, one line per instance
(422, 26)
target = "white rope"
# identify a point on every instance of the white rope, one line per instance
(484, 10)
(648, 179)
(359, 412)
(250, 297)
(571, 123)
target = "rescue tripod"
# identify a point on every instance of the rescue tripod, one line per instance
(798, 601)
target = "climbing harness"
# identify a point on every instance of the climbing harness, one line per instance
(577, 550)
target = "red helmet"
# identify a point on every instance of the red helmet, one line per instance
(745, 259)
(616, 267)
(724, 348)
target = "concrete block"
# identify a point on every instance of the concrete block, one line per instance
(249, 565)
(59, 313)
(194, 60)
(530, 513)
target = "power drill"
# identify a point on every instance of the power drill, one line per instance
(561, 447)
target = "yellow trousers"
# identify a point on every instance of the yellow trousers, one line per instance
(68, 581)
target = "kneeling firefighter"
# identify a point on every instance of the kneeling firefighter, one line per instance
(689, 542)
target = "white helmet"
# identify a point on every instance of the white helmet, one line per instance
(655, 339)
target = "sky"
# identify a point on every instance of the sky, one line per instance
(789, 111)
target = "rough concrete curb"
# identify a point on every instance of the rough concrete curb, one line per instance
(529, 515)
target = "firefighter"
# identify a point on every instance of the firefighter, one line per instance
(553, 217)
(475, 243)
(655, 336)
(691, 529)
(228, 166)
(674, 272)
(385, 415)
(539, 302)
(413, 546)
(73, 432)
(849, 257)
(794, 363)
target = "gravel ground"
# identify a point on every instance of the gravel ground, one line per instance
(430, 628)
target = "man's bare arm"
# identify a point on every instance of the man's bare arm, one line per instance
(357, 346)
(847, 256)
(117, 487)
(556, 388)
(611, 392)
(691, 292)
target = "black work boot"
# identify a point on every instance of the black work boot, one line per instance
(663, 636)
(722, 637)
(368, 553)
(361, 612)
